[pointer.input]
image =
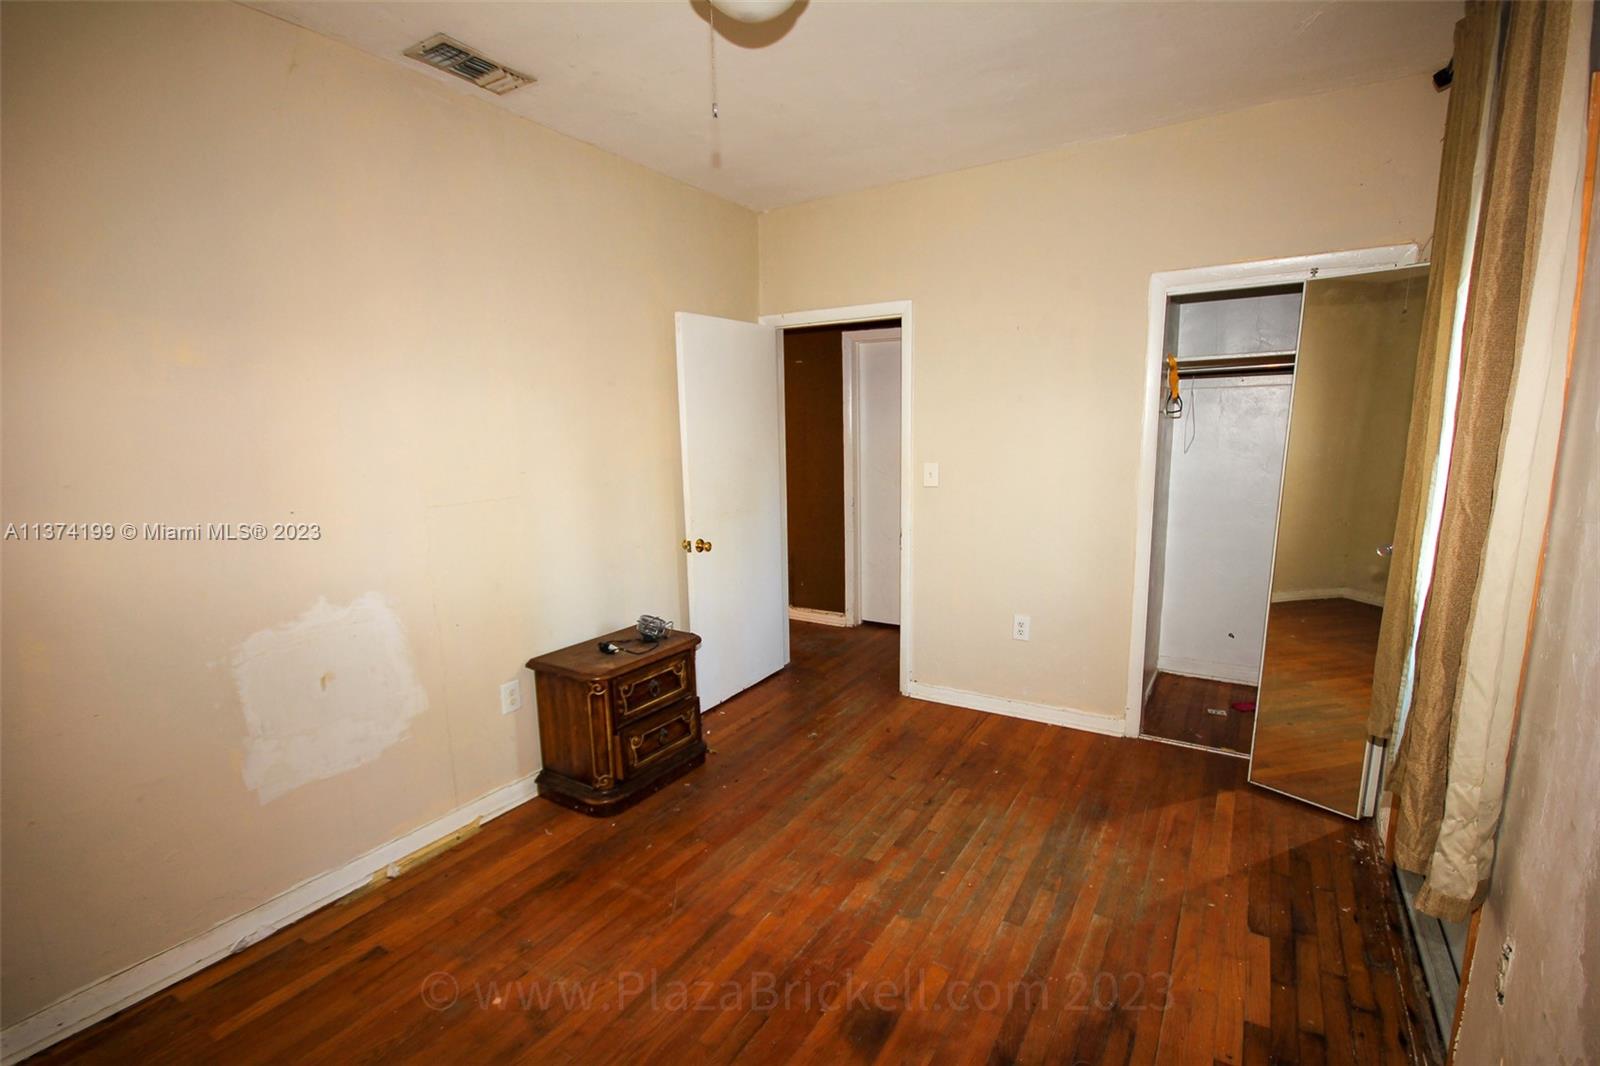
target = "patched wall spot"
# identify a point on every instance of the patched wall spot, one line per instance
(299, 725)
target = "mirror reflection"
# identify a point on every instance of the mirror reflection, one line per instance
(1349, 416)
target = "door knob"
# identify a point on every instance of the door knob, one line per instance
(1386, 550)
(702, 545)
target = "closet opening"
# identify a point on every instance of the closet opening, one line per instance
(1277, 449)
(1226, 390)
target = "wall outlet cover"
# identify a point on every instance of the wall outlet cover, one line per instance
(510, 697)
(1021, 627)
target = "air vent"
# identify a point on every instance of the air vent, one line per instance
(453, 57)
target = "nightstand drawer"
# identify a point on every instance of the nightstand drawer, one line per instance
(659, 737)
(653, 687)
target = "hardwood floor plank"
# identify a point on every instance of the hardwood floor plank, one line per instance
(854, 876)
(1179, 708)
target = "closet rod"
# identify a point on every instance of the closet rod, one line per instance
(1276, 363)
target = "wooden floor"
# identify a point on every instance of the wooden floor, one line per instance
(1179, 709)
(1316, 693)
(853, 877)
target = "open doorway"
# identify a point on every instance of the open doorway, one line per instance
(842, 385)
(731, 422)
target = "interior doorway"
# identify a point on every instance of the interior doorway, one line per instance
(843, 385)
(732, 430)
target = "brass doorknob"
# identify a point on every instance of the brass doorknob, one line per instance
(702, 545)
(685, 545)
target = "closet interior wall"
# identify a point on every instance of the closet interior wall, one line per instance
(1219, 466)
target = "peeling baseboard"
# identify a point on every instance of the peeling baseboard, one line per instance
(1069, 717)
(406, 864)
(103, 998)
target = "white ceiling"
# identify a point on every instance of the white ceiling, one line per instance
(857, 94)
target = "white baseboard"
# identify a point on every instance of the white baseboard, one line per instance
(1070, 717)
(1373, 599)
(105, 997)
(821, 618)
(1209, 669)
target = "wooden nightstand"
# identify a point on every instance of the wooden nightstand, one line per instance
(614, 728)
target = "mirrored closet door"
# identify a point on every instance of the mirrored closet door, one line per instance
(1349, 415)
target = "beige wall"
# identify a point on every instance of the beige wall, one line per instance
(1029, 281)
(1542, 898)
(262, 277)
(252, 274)
(1347, 436)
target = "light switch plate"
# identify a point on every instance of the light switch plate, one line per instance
(930, 475)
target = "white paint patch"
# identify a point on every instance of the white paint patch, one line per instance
(324, 694)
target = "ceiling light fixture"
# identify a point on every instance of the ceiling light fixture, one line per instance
(752, 10)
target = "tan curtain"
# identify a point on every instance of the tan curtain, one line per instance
(1451, 763)
(1475, 44)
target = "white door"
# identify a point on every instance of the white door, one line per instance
(878, 473)
(730, 415)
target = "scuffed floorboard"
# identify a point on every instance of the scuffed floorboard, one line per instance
(853, 876)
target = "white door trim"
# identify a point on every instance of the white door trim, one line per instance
(852, 470)
(852, 463)
(843, 316)
(1169, 283)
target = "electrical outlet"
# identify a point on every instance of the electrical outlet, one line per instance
(1020, 626)
(511, 697)
(930, 475)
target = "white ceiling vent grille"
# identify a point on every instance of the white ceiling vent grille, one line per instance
(453, 57)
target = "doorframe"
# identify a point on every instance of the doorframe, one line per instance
(850, 358)
(844, 316)
(852, 471)
(1164, 285)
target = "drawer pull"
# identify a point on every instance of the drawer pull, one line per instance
(655, 687)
